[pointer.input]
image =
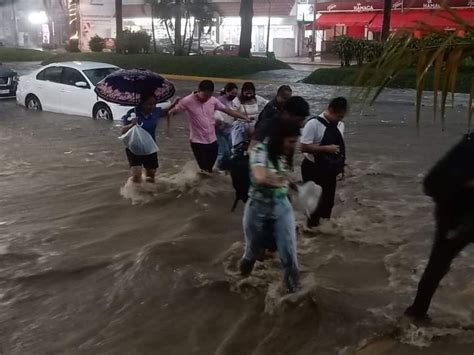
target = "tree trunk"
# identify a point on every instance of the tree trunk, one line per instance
(246, 17)
(387, 13)
(178, 48)
(186, 23)
(199, 34)
(168, 31)
(118, 21)
(192, 37)
(153, 27)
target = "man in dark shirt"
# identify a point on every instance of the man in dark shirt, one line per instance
(271, 112)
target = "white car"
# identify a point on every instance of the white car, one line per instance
(69, 88)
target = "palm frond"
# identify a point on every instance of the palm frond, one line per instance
(438, 60)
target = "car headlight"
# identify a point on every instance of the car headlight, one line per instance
(16, 78)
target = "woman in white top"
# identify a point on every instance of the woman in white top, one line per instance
(250, 104)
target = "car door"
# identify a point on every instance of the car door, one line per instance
(76, 100)
(47, 88)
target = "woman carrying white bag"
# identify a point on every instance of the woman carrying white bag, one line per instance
(139, 126)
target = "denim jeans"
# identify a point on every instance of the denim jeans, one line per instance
(268, 221)
(225, 148)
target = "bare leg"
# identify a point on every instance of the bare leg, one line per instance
(136, 174)
(150, 175)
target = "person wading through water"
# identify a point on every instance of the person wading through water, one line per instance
(200, 108)
(269, 217)
(146, 115)
(224, 127)
(271, 112)
(295, 109)
(450, 184)
(249, 104)
(322, 143)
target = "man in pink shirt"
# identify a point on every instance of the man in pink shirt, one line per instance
(200, 108)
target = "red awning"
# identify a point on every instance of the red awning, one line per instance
(328, 20)
(418, 19)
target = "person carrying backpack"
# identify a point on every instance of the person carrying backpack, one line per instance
(322, 143)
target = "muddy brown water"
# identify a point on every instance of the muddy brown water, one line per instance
(86, 270)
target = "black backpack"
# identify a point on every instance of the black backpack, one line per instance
(331, 164)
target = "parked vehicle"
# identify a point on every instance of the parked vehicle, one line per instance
(207, 45)
(69, 88)
(8, 82)
(227, 50)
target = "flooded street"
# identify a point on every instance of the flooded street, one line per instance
(88, 266)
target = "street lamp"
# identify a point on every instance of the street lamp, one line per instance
(38, 18)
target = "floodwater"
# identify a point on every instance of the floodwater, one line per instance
(89, 265)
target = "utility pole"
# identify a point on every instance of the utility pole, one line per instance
(15, 23)
(118, 20)
(268, 26)
(313, 30)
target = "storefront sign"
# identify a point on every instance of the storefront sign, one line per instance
(377, 5)
(431, 5)
(363, 8)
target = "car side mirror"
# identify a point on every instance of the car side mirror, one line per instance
(81, 84)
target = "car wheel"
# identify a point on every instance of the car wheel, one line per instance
(102, 112)
(33, 103)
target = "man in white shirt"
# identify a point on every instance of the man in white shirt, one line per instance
(322, 143)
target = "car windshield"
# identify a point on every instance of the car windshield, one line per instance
(96, 75)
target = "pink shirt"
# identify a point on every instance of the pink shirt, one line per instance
(201, 117)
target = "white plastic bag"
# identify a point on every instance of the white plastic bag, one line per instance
(139, 141)
(308, 197)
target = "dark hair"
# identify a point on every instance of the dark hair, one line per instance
(248, 86)
(297, 106)
(284, 88)
(147, 95)
(228, 88)
(339, 105)
(279, 131)
(206, 85)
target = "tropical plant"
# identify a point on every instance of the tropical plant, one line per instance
(345, 48)
(439, 56)
(203, 14)
(133, 42)
(97, 44)
(246, 17)
(73, 46)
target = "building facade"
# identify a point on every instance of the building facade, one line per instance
(32, 23)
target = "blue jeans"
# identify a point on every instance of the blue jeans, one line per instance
(267, 222)
(225, 148)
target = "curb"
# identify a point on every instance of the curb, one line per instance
(200, 78)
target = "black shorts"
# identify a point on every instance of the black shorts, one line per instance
(149, 162)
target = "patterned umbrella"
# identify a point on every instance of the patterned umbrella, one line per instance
(125, 87)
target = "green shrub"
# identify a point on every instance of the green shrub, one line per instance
(345, 48)
(73, 46)
(97, 44)
(48, 46)
(133, 42)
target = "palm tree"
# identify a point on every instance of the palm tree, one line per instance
(246, 17)
(204, 14)
(441, 60)
(387, 14)
(163, 9)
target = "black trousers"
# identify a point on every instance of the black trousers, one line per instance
(206, 155)
(310, 172)
(444, 250)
